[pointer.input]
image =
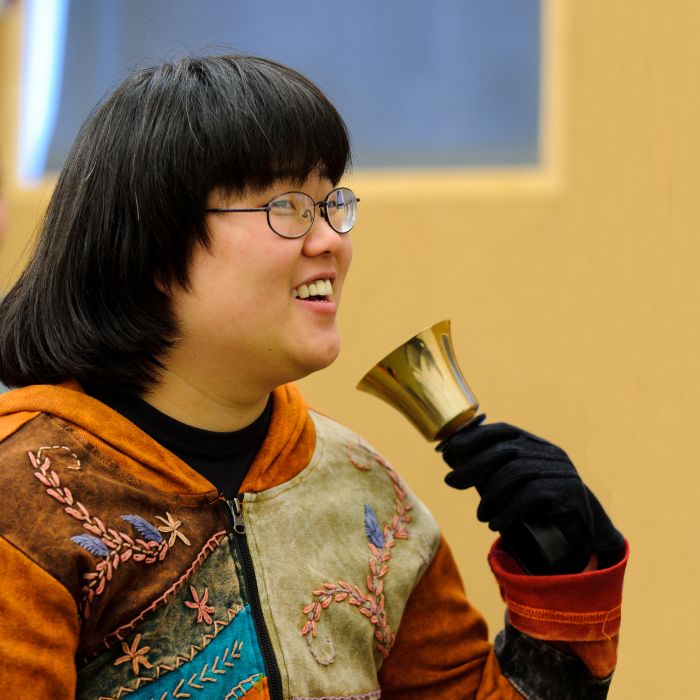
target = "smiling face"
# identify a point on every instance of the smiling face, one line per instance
(259, 313)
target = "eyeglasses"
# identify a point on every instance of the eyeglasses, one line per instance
(292, 214)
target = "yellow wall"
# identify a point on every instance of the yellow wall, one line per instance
(573, 294)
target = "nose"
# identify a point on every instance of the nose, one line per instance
(322, 239)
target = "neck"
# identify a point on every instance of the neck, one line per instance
(202, 407)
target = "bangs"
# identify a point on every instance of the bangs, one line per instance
(260, 122)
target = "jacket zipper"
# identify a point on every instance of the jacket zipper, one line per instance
(240, 543)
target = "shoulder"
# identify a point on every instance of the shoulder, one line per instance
(37, 459)
(340, 443)
(27, 437)
(352, 465)
(37, 413)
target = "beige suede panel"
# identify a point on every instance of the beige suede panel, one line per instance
(309, 532)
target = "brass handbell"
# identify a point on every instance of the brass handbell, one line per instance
(423, 381)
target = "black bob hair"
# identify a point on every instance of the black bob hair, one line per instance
(129, 206)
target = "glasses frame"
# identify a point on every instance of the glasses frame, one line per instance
(322, 205)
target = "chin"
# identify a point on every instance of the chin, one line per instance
(317, 361)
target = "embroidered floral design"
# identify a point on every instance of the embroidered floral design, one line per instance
(135, 655)
(370, 603)
(112, 546)
(200, 605)
(173, 527)
(120, 632)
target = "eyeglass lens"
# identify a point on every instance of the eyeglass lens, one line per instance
(292, 214)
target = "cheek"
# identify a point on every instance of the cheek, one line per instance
(227, 264)
(238, 279)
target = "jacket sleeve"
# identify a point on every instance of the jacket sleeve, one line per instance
(561, 633)
(39, 630)
(560, 637)
(442, 650)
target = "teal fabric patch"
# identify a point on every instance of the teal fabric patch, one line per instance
(228, 667)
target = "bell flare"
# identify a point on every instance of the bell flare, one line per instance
(422, 380)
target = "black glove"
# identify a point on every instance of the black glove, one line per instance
(530, 488)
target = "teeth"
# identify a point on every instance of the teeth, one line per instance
(322, 288)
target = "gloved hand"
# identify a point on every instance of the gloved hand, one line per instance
(522, 478)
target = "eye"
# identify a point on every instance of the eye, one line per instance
(284, 206)
(337, 201)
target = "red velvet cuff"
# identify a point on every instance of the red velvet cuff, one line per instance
(570, 608)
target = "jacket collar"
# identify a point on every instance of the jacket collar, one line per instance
(287, 449)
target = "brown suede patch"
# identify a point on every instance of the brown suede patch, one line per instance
(62, 488)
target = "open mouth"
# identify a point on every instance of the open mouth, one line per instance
(318, 290)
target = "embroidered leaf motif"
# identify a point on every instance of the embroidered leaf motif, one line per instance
(93, 545)
(144, 527)
(372, 529)
(113, 546)
(371, 604)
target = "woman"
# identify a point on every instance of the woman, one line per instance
(182, 525)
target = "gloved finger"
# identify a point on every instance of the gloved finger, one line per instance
(491, 439)
(454, 479)
(501, 501)
(514, 490)
(510, 455)
(472, 472)
(464, 444)
(528, 506)
(495, 501)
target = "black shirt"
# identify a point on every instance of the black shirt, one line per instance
(222, 458)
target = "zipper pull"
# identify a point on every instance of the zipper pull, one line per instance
(236, 508)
